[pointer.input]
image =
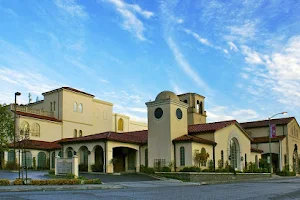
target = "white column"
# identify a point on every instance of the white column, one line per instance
(75, 166)
(137, 163)
(5, 158)
(55, 167)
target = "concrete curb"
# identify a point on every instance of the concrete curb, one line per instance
(27, 188)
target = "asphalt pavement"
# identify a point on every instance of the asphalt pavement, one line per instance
(270, 189)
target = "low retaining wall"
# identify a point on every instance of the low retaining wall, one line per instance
(211, 176)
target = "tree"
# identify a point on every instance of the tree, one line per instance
(201, 158)
(6, 127)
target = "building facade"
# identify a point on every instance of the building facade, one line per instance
(71, 122)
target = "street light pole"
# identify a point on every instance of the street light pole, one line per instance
(270, 152)
(15, 124)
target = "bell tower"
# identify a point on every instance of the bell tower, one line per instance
(167, 120)
(196, 112)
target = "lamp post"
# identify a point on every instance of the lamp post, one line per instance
(271, 167)
(15, 124)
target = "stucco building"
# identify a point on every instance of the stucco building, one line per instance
(69, 121)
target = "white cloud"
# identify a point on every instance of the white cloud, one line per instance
(185, 66)
(244, 75)
(180, 21)
(252, 57)
(131, 22)
(71, 7)
(176, 88)
(232, 46)
(197, 37)
(247, 30)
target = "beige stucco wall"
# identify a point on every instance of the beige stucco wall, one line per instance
(292, 140)
(223, 137)
(137, 126)
(49, 130)
(162, 131)
(198, 147)
(188, 154)
(264, 131)
(142, 156)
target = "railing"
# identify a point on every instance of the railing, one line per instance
(27, 109)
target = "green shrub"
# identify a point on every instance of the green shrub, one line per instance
(92, 181)
(211, 166)
(4, 182)
(221, 170)
(286, 173)
(51, 172)
(147, 170)
(56, 182)
(165, 169)
(97, 168)
(81, 178)
(83, 167)
(34, 162)
(11, 166)
(191, 169)
(70, 176)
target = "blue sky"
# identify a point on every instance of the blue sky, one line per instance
(243, 56)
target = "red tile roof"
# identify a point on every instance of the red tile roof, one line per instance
(191, 138)
(264, 123)
(256, 150)
(137, 137)
(266, 139)
(37, 116)
(36, 144)
(68, 88)
(210, 127)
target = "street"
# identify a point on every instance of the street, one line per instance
(269, 189)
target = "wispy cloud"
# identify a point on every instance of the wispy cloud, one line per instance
(205, 41)
(71, 7)
(185, 66)
(246, 30)
(252, 57)
(131, 22)
(232, 46)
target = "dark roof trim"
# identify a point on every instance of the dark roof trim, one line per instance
(70, 89)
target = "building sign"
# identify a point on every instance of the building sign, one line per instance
(272, 130)
(64, 166)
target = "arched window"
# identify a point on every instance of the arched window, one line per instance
(11, 156)
(75, 133)
(75, 107)
(80, 133)
(35, 130)
(182, 156)
(204, 157)
(201, 108)
(120, 124)
(70, 154)
(24, 129)
(54, 104)
(146, 157)
(185, 101)
(59, 154)
(80, 108)
(197, 106)
(222, 158)
(234, 153)
(50, 106)
(256, 161)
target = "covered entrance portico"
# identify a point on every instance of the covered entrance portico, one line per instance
(124, 159)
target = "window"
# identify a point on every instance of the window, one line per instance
(204, 157)
(50, 106)
(80, 133)
(75, 107)
(201, 108)
(182, 156)
(256, 161)
(234, 151)
(285, 159)
(197, 106)
(80, 108)
(75, 133)
(41, 160)
(245, 161)
(120, 124)
(35, 130)
(222, 158)
(146, 157)
(54, 105)
(53, 160)
(70, 154)
(11, 156)
(24, 129)
(185, 101)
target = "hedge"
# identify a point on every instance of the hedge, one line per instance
(56, 182)
(4, 182)
(92, 181)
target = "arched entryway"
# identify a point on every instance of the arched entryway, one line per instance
(124, 159)
(99, 159)
(42, 163)
(53, 160)
(295, 158)
(234, 153)
(83, 157)
(275, 162)
(27, 159)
